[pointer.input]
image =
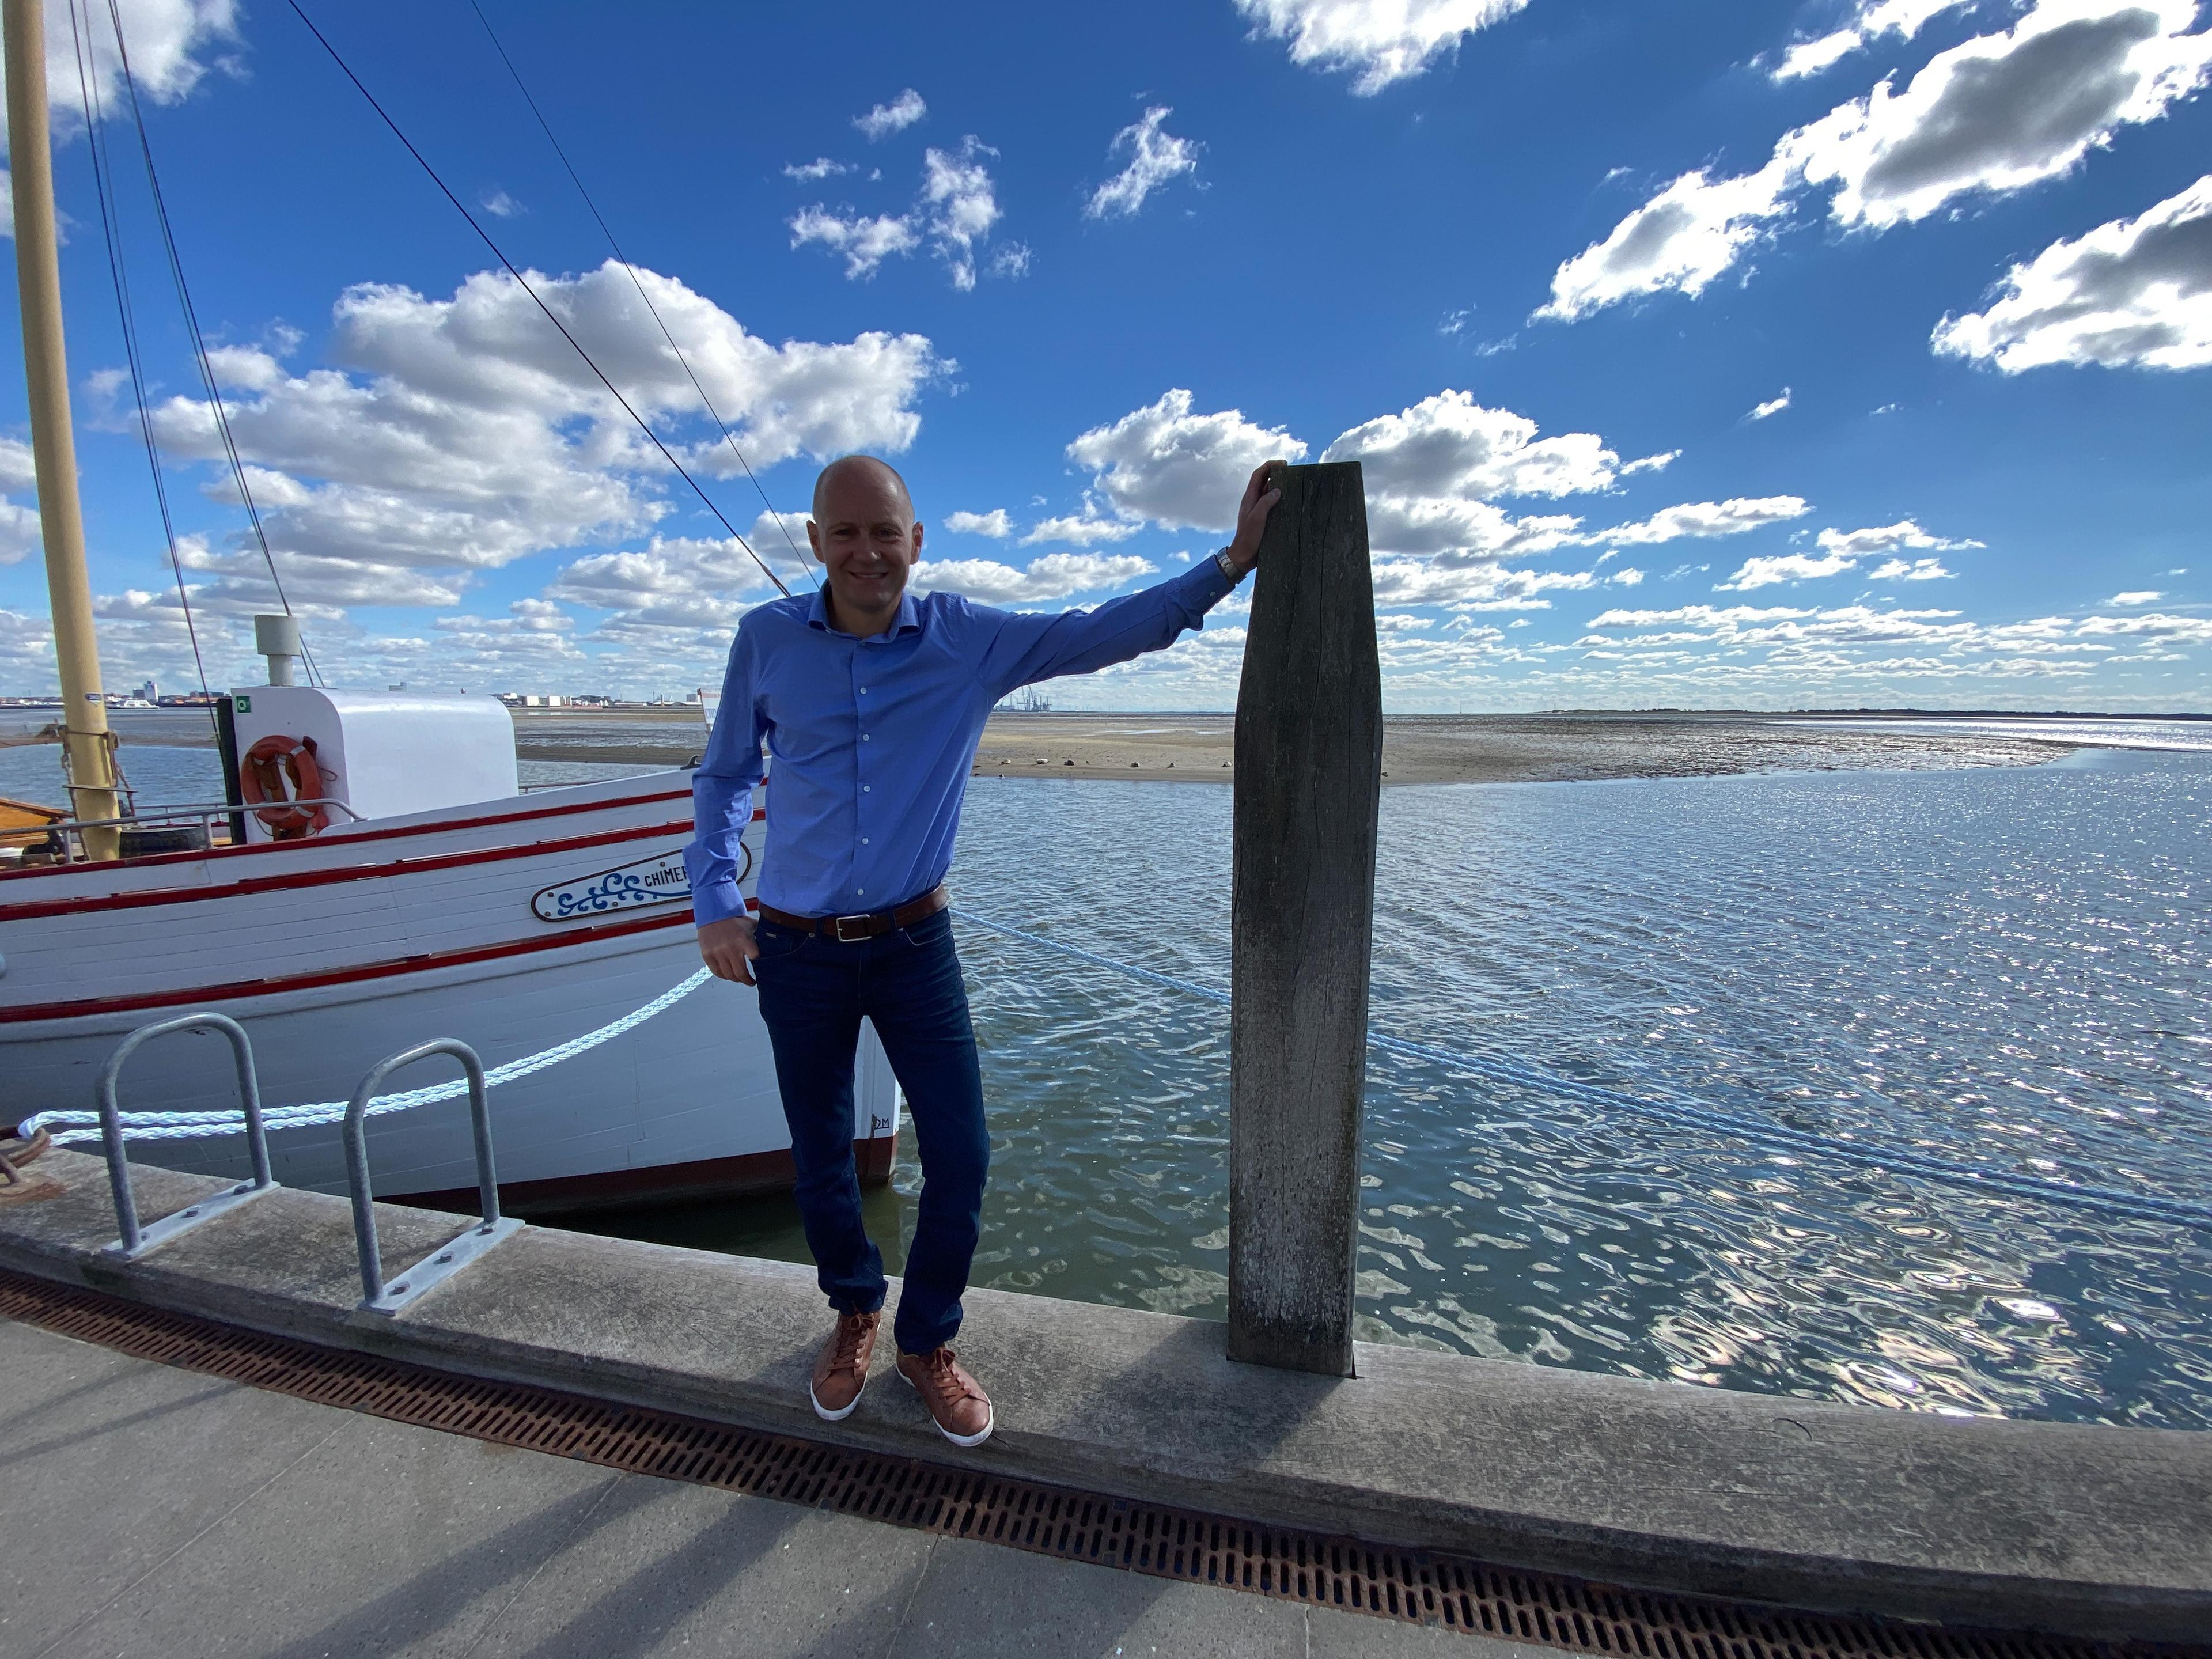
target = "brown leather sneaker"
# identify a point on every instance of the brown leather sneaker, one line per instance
(841, 1369)
(958, 1403)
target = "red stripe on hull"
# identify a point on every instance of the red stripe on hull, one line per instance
(749, 1175)
(257, 849)
(142, 898)
(387, 969)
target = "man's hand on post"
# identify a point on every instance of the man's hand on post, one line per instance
(727, 948)
(1252, 513)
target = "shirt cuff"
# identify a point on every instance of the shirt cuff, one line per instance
(716, 901)
(1206, 585)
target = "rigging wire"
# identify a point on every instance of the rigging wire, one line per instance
(110, 233)
(728, 437)
(500, 254)
(199, 340)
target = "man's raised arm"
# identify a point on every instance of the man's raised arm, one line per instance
(1030, 649)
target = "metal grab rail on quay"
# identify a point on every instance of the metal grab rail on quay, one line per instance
(456, 1253)
(137, 1241)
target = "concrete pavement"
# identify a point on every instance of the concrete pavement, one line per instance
(2091, 1531)
(169, 1515)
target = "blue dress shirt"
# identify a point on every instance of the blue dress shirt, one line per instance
(873, 739)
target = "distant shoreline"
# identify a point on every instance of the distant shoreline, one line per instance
(1182, 747)
(1430, 749)
(1416, 749)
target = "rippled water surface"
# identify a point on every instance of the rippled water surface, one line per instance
(2007, 967)
(2004, 966)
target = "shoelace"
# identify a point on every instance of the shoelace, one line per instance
(948, 1379)
(846, 1355)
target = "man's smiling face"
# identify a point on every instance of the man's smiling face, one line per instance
(863, 531)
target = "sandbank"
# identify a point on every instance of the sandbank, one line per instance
(1416, 749)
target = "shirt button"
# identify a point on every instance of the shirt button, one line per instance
(864, 690)
(864, 737)
(864, 840)
(864, 788)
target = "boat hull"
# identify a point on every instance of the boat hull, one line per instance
(370, 943)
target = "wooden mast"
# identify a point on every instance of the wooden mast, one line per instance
(54, 444)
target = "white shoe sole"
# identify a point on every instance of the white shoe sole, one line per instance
(990, 1421)
(828, 1416)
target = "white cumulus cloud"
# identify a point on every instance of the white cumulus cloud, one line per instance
(174, 45)
(19, 531)
(959, 205)
(2136, 596)
(1449, 445)
(1993, 115)
(885, 119)
(2132, 292)
(1682, 240)
(672, 593)
(1910, 570)
(1432, 469)
(1773, 406)
(1183, 472)
(2180, 631)
(2005, 111)
(1486, 586)
(459, 434)
(953, 212)
(813, 172)
(1842, 549)
(1082, 529)
(1887, 538)
(1869, 22)
(18, 467)
(1156, 156)
(1052, 576)
(1729, 518)
(1379, 41)
(1785, 567)
(865, 240)
(996, 524)
(19, 525)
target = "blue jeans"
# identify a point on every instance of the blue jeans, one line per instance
(814, 993)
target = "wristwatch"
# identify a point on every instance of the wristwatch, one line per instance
(1228, 570)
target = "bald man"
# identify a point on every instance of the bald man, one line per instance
(872, 702)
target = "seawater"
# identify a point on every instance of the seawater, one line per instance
(2003, 966)
(2000, 966)
(2006, 967)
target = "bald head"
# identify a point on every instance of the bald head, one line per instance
(865, 470)
(863, 531)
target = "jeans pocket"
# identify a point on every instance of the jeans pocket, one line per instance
(777, 942)
(929, 931)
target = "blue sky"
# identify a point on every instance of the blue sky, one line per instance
(1699, 353)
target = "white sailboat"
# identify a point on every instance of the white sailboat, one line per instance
(382, 880)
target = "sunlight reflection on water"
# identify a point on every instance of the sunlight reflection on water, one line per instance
(1998, 966)
(2003, 965)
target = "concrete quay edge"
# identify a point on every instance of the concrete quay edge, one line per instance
(2085, 1531)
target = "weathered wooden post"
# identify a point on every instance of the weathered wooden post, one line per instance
(1309, 780)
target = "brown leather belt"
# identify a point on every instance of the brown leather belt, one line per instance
(847, 929)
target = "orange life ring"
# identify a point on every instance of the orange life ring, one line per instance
(263, 773)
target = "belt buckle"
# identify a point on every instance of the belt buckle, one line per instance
(837, 929)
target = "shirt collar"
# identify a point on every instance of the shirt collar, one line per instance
(818, 614)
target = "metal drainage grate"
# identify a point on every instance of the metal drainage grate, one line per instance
(1413, 1586)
